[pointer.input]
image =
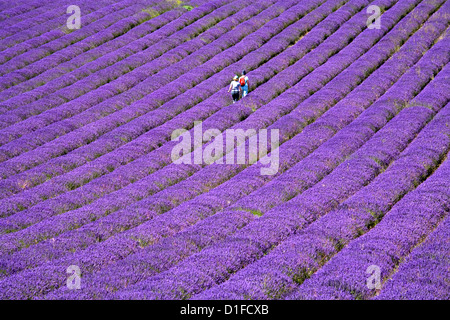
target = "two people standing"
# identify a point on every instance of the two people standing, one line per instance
(238, 85)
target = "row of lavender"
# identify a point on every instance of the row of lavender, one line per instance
(215, 204)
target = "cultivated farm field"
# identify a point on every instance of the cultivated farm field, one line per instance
(106, 191)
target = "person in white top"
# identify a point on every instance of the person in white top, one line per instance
(235, 88)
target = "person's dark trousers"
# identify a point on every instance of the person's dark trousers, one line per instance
(235, 96)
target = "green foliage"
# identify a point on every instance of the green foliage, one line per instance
(153, 13)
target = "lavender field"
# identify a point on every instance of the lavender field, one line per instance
(96, 97)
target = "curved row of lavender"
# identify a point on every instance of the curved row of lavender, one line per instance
(358, 208)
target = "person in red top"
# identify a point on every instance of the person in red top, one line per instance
(243, 80)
